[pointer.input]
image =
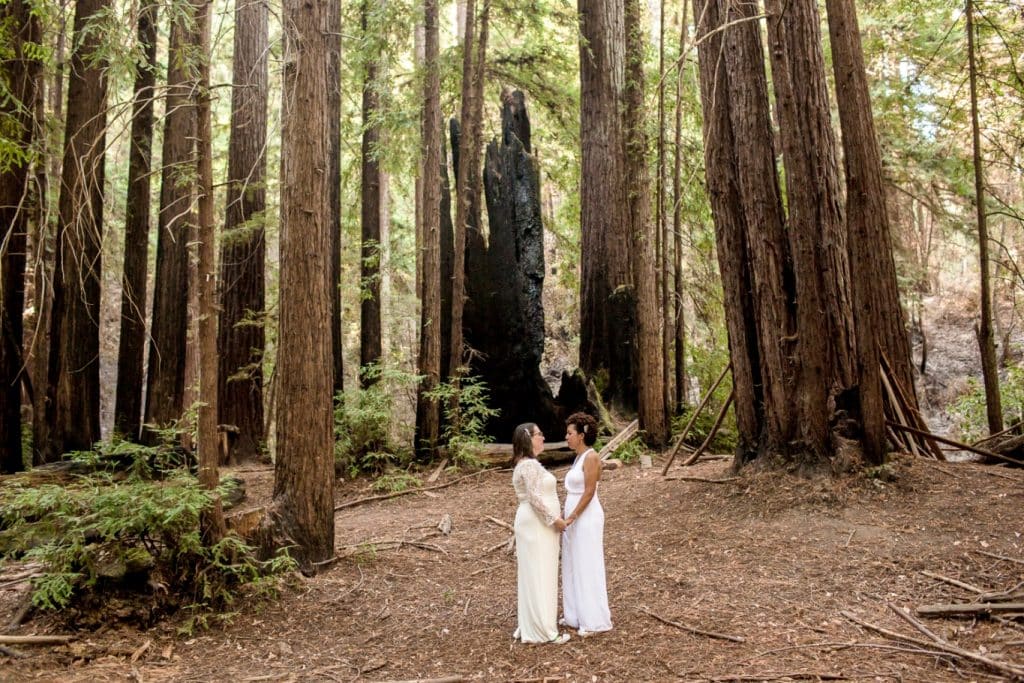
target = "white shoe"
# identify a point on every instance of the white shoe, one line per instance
(515, 634)
(560, 639)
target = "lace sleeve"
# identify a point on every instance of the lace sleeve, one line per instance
(532, 474)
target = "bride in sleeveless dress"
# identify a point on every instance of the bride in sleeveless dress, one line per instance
(584, 593)
(537, 527)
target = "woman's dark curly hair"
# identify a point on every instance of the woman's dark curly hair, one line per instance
(584, 424)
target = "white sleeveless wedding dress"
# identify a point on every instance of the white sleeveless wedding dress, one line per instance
(536, 552)
(584, 594)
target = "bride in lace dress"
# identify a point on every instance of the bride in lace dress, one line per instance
(537, 528)
(584, 593)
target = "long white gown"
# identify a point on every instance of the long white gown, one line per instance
(536, 551)
(584, 593)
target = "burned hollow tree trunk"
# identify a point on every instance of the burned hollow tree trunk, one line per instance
(504, 315)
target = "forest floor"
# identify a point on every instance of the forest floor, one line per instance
(770, 559)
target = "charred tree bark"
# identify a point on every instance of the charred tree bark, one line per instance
(428, 418)
(165, 379)
(643, 233)
(723, 183)
(505, 314)
(74, 354)
(607, 302)
(302, 513)
(372, 199)
(241, 338)
(128, 404)
(20, 74)
(817, 238)
(878, 316)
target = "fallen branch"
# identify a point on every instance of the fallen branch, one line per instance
(691, 629)
(35, 640)
(395, 494)
(693, 418)
(500, 523)
(1000, 557)
(949, 649)
(714, 430)
(485, 569)
(951, 442)
(796, 675)
(702, 479)
(508, 543)
(619, 439)
(997, 434)
(906, 616)
(969, 609)
(953, 582)
(444, 679)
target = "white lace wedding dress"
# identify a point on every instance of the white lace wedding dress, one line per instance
(584, 594)
(536, 551)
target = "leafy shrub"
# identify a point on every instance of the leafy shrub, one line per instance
(361, 421)
(117, 528)
(466, 414)
(393, 482)
(969, 411)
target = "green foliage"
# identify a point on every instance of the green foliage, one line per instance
(969, 410)
(117, 526)
(362, 417)
(466, 413)
(631, 450)
(394, 482)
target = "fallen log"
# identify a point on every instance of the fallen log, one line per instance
(969, 609)
(619, 439)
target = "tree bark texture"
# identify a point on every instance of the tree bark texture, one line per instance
(643, 231)
(505, 313)
(334, 179)
(464, 159)
(986, 343)
(372, 200)
(607, 301)
(303, 510)
(679, 310)
(878, 315)
(165, 379)
(761, 204)
(132, 344)
(20, 74)
(211, 521)
(825, 340)
(241, 339)
(447, 271)
(722, 179)
(74, 354)
(428, 417)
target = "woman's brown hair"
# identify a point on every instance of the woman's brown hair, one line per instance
(584, 424)
(522, 442)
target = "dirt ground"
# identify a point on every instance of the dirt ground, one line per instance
(769, 560)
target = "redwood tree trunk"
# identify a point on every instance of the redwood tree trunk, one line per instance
(74, 353)
(878, 314)
(21, 75)
(428, 417)
(165, 379)
(241, 334)
(730, 227)
(333, 85)
(817, 237)
(128, 404)
(643, 231)
(761, 203)
(303, 511)
(372, 199)
(607, 302)
(212, 517)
